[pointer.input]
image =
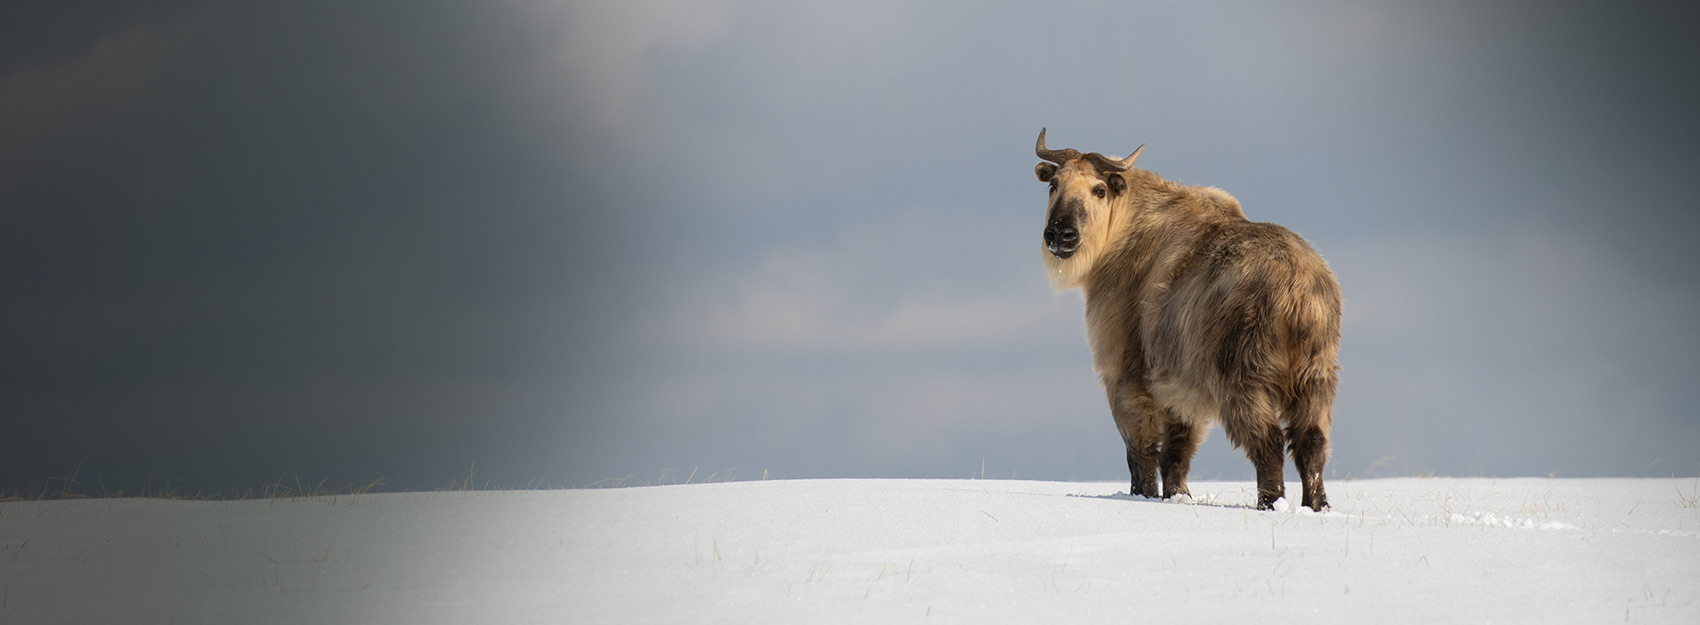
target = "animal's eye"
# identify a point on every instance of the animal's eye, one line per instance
(1053, 187)
(1098, 191)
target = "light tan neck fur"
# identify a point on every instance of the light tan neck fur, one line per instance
(1137, 223)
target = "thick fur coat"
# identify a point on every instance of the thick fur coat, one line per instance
(1196, 316)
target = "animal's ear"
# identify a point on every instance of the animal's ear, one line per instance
(1044, 171)
(1117, 183)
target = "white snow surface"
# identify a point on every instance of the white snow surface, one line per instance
(1418, 550)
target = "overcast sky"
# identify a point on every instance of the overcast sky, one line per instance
(563, 243)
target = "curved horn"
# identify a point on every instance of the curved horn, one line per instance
(1056, 156)
(1104, 162)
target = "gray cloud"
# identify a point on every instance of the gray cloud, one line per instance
(310, 239)
(1444, 158)
(577, 241)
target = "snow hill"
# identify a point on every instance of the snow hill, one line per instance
(869, 551)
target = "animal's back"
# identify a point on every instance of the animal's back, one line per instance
(1248, 305)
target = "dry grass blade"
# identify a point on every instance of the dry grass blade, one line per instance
(1691, 499)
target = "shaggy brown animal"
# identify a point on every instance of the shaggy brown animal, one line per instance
(1195, 315)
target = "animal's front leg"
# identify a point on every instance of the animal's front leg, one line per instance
(1179, 443)
(1143, 465)
(1136, 418)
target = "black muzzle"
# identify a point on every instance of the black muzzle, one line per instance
(1062, 240)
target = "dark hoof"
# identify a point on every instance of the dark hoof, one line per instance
(1318, 502)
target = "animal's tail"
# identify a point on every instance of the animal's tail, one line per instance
(1313, 327)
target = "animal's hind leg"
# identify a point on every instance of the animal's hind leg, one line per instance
(1308, 419)
(1249, 420)
(1310, 451)
(1180, 442)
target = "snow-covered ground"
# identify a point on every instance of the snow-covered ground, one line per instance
(869, 551)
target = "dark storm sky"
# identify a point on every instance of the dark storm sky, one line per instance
(570, 242)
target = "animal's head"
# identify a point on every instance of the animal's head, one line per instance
(1085, 191)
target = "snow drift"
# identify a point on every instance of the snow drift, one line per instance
(1397, 550)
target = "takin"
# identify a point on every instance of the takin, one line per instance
(1195, 316)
